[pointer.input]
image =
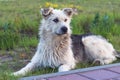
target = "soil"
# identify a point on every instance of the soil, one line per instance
(15, 59)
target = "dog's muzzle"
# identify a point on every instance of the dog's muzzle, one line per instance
(63, 30)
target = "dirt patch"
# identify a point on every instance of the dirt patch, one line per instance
(15, 59)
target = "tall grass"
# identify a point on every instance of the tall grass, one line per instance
(8, 39)
(19, 22)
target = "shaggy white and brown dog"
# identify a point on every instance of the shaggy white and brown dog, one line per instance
(57, 48)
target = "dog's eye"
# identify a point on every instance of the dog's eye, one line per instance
(56, 20)
(65, 20)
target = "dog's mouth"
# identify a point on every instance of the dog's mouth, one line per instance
(61, 33)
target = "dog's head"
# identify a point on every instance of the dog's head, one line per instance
(57, 21)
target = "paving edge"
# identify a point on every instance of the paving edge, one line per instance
(68, 72)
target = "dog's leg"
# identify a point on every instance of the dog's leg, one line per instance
(30, 66)
(70, 62)
(66, 67)
(105, 61)
(109, 60)
(98, 62)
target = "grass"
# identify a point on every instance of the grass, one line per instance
(19, 22)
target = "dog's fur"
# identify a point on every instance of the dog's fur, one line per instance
(93, 48)
(56, 45)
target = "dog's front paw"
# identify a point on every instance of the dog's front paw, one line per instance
(18, 73)
(64, 68)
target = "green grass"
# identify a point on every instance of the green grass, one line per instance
(20, 19)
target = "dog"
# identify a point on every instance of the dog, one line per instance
(57, 46)
(93, 48)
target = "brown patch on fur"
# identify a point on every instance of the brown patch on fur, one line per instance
(47, 11)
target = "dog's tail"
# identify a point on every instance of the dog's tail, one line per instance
(117, 54)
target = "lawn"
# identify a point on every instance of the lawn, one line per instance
(20, 19)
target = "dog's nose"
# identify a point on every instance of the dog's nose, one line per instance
(64, 29)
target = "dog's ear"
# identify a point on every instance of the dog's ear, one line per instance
(46, 12)
(70, 11)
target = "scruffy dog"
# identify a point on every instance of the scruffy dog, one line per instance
(57, 48)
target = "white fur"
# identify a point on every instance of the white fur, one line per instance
(98, 48)
(53, 50)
